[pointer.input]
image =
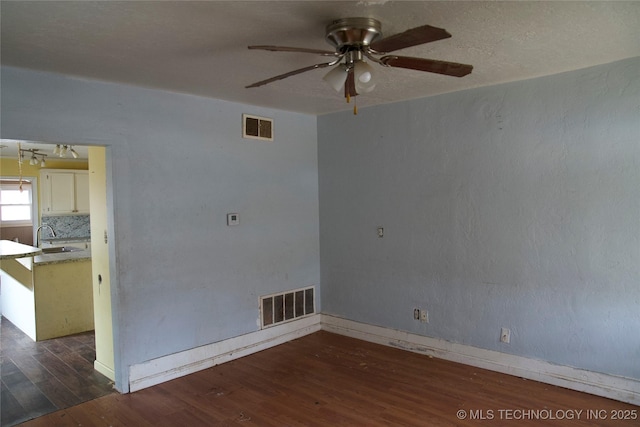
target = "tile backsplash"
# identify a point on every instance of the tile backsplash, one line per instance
(67, 226)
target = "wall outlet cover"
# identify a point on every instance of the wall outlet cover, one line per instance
(233, 219)
(505, 335)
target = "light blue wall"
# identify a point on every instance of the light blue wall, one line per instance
(179, 165)
(515, 205)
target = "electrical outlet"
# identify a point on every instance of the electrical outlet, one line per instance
(380, 232)
(505, 335)
(416, 314)
(233, 219)
(424, 316)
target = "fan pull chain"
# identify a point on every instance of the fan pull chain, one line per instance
(355, 103)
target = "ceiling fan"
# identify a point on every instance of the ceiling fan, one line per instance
(357, 39)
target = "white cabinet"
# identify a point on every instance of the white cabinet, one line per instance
(61, 186)
(64, 192)
(82, 191)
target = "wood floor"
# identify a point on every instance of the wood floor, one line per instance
(42, 377)
(329, 380)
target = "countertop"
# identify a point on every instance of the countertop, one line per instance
(30, 255)
(54, 240)
(62, 257)
(12, 250)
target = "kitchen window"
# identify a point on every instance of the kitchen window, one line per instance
(15, 203)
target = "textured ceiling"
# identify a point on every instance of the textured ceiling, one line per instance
(201, 47)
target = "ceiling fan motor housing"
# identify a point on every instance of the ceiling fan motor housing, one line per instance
(353, 33)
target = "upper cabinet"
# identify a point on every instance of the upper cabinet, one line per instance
(64, 192)
(82, 191)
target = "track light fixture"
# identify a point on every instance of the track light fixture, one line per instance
(35, 157)
(62, 151)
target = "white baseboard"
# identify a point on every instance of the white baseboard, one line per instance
(186, 362)
(613, 387)
(104, 370)
(176, 365)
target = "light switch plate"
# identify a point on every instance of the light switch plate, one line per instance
(233, 219)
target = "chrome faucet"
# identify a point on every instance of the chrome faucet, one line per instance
(53, 233)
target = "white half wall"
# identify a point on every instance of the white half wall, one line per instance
(18, 304)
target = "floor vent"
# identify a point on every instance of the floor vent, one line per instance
(287, 306)
(255, 127)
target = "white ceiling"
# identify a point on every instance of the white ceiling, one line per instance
(201, 47)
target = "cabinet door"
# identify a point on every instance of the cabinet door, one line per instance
(82, 192)
(45, 192)
(62, 187)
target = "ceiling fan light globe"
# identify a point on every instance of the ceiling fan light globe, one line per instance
(364, 71)
(365, 87)
(364, 77)
(336, 77)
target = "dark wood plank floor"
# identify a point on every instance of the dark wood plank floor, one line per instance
(329, 380)
(42, 377)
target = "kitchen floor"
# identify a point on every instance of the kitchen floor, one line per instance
(42, 377)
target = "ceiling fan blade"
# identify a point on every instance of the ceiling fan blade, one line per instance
(294, 49)
(430, 65)
(289, 74)
(411, 37)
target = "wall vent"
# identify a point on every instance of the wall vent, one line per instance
(287, 306)
(255, 127)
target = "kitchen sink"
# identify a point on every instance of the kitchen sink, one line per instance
(61, 249)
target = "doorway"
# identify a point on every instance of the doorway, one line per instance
(100, 209)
